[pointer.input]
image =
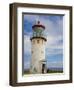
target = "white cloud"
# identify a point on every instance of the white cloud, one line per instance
(31, 18)
(53, 40)
(26, 64)
(52, 45)
(51, 27)
(55, 64)
(27, 44)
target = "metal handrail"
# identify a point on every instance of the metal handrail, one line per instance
(39, 35)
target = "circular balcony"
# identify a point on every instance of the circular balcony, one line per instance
(37, 35)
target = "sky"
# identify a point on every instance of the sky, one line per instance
(54, 32)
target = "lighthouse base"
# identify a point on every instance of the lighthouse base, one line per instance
(39, 69)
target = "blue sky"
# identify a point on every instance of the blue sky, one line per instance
(54, 33)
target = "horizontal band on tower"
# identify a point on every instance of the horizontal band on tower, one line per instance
(38, 38)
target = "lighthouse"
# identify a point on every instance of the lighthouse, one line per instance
(38, 42)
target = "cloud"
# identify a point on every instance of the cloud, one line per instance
(51, 40)
(54, 64)
(27, 44)
(54, 45)
(31, 18)
(27, 61)
(27, 52)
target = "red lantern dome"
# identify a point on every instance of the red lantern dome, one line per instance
(38, 25)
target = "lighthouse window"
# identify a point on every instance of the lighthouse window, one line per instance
(32, 51)
(37, 41)
(33, 42)
(42, 41)
(41, 51)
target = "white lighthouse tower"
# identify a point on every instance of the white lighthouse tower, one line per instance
(38, 41)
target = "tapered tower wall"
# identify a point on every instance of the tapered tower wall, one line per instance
(38, 54)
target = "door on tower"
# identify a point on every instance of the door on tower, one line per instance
(43, 68)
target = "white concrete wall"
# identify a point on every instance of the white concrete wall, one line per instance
(38, 53)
